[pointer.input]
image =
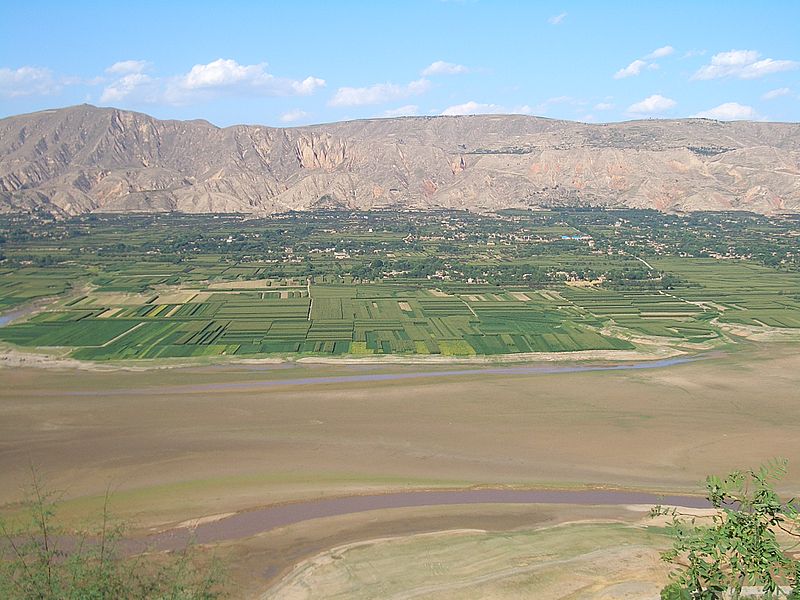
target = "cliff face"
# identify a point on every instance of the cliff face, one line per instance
(82, 159)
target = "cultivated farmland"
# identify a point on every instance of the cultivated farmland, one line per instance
(122, 288)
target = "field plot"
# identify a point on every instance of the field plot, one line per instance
(252, 317)
(335, 319)
(132, 287)
(740, 293)
(23, 285)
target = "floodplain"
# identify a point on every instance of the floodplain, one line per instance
(202, 367)
(171, 454)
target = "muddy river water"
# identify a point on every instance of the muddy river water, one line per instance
(395, 376)
(249, 523)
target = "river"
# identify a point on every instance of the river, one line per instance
(249, 523)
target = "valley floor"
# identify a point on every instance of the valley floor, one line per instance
(186, 443)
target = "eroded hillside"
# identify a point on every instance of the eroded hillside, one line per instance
(82, 159)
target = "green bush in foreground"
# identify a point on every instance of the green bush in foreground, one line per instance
(748, 543)
(40, 560)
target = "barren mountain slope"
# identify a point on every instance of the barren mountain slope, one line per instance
(83, 159)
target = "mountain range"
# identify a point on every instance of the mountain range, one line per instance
(84, 159)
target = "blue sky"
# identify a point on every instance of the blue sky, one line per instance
(294, 63)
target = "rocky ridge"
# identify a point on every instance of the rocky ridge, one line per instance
(87, 159)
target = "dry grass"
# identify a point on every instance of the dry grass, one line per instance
(580, 560)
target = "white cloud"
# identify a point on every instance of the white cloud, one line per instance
(635, 68)
(772, 94)
(409, 110)
(557, 19)
(134, 86)
(306, 87)
(378, 93)
(124, 67)
(441, 67)
(293, 115)
(203, 81)
(470, 108)
(744, 64)
(652, 104)
(660, 52)
(473, 108)
(729, 111)
(603, 106)
(631, 70)
(27, 81)
(222, 72)
(227, 74)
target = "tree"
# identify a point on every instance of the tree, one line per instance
(41, 560)
(749, 541)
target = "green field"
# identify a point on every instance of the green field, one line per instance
(123, 288)
(346, 319)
